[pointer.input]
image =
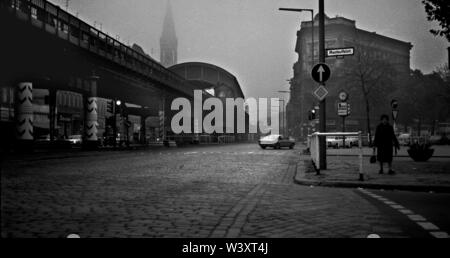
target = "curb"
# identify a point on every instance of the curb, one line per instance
(300, 180)
(398, 156)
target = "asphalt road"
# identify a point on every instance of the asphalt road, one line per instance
(434, 208)
(207, 191)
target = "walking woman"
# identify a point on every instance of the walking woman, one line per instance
(384, 143)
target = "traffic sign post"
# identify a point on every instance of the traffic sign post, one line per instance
(324, 75)
(343, 111)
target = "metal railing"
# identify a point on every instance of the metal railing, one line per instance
(52, 19)
(313, 144)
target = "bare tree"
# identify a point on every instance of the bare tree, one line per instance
(427, 98)
(369, 71)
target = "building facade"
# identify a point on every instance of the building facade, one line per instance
(341, 32)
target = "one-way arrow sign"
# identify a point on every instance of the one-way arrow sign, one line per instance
(321, 73)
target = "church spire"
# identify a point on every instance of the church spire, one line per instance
(168, 41)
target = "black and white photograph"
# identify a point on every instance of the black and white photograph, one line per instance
(236, 121)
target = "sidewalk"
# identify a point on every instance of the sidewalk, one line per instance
(442, 151)
(343, 171)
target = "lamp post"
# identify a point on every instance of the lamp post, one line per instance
(312, 27)
(312, 53)
(282, 118)
(284, 112)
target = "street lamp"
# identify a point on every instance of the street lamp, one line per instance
(312, 26)
(282, 118)
(284, 111)
(312, 50)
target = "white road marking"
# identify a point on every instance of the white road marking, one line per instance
(428, 226)
(440, 234)
(406, 212)
(418, 219)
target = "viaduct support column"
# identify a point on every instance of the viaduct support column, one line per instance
(90, 139)
(143, 130)
(52, 113)
(24, 116)
(162, 119)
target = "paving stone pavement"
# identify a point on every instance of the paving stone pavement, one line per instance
(216, 191)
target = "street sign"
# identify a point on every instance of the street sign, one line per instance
(340, 52)
(343, 109)
(343, 96)
(321, 73)
(321, 93)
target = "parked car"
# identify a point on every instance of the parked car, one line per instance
(338, 142)
(75, 139)
(404, 139)
(276, 141)
(439, 140)
(351, 142)
(334, 142)
(43, 138)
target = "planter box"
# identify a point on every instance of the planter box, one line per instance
(421, 155)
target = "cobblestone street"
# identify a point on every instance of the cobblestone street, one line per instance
(209, 191)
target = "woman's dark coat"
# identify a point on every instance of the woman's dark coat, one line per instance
(385, 141)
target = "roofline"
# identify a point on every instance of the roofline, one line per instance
(386, 37)
(212, 66)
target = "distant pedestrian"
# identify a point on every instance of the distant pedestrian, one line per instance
(384, 144)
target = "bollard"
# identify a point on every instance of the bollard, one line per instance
(361, 172)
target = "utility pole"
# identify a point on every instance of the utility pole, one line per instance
(323, 105)
(285, 124)
(302, 93)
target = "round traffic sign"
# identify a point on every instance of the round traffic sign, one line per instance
(343, 96)
(321, 73)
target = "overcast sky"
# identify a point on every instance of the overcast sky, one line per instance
(251, 38)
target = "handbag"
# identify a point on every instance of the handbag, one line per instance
(373, 158)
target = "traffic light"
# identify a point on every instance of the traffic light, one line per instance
(110, 107)
(312, 115)
(118, 107)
